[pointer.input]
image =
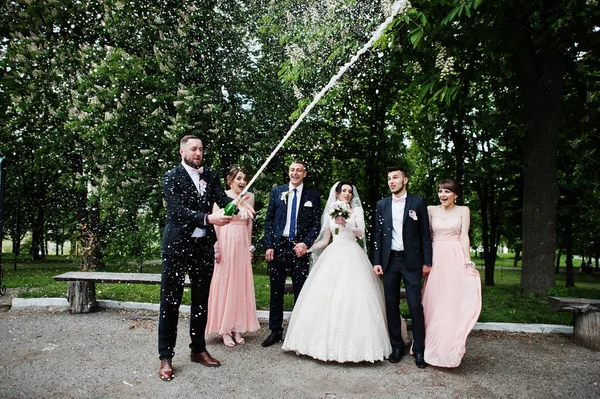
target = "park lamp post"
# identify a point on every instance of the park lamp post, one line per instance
(2, 286)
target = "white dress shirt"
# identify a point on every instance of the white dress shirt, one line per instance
(397, 217)
(198, 232)
(290, 199)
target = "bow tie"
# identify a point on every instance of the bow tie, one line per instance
(394, 199)
(199, 171)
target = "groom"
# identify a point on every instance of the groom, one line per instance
(402, 252)
(187, 247)
(291, 226)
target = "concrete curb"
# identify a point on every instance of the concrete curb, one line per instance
(23, 303)
(39, 303)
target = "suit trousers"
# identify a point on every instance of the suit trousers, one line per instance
(198, 263)
(397, 271)
(284, 261)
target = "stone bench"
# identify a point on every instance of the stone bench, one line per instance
(82, 286)
(586, 312)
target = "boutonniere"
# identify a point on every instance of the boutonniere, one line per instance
(284, 196)
(202, 186)
(412, 214)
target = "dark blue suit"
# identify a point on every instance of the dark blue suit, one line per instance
(407, 266)
(182, 254)
(307, 230)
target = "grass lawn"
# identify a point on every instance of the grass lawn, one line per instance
(501, 303)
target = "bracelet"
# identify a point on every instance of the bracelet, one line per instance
(252, 248)
(470, 263)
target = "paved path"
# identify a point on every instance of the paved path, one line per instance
(46, 353)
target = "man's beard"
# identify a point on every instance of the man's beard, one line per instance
(398, 189)
(190, 163)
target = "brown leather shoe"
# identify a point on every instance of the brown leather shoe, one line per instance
(205, 359)
(166, 370)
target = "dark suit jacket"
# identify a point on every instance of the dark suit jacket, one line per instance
(186, 209)
(307, 220)
(415, 233)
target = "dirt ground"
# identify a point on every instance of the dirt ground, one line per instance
(49, 353)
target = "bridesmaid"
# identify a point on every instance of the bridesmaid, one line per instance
(231, 303)
(452, 291)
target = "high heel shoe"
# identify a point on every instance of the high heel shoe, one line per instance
(228, 341)
(237, 337)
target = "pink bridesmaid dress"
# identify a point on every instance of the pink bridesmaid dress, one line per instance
(231, 302)
(451, 296)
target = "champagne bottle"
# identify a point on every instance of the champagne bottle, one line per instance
(230, 208)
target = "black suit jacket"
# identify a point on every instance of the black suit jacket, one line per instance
(307, 220)
(415, 233)
(186, 209)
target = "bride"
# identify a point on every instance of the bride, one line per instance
(340, 313)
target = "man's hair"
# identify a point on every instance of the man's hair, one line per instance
(187, 138)
(397, 168)
(302, 162)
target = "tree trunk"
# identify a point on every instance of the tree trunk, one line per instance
(540, 72)
(82, 296)
(586, 330)
(568, 241)
(37, 250)
(486, 240)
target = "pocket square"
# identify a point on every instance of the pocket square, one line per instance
(308, 204)
(412, 214)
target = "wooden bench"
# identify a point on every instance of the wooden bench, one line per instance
(82, 288)
(586, 329)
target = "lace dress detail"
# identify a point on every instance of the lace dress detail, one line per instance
(340, 314)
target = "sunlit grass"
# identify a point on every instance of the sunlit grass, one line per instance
(501, 303)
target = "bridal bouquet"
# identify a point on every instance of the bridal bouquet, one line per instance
(339, 208)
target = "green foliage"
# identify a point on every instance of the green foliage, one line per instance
(95, 96)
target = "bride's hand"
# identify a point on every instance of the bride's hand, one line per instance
(340, 221)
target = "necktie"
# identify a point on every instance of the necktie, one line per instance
(293, 217)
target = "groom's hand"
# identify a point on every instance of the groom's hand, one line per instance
(300, 249)
(378, 270)
(426, 270)
(218, 219)
(269, 254)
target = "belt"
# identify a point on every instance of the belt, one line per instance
(397, 253)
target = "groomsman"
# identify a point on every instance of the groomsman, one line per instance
(291, 226)
(402, 252)
(190, 190)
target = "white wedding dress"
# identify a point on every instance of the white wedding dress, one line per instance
(340, 314)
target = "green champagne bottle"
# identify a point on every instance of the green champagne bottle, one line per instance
(230, 208)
